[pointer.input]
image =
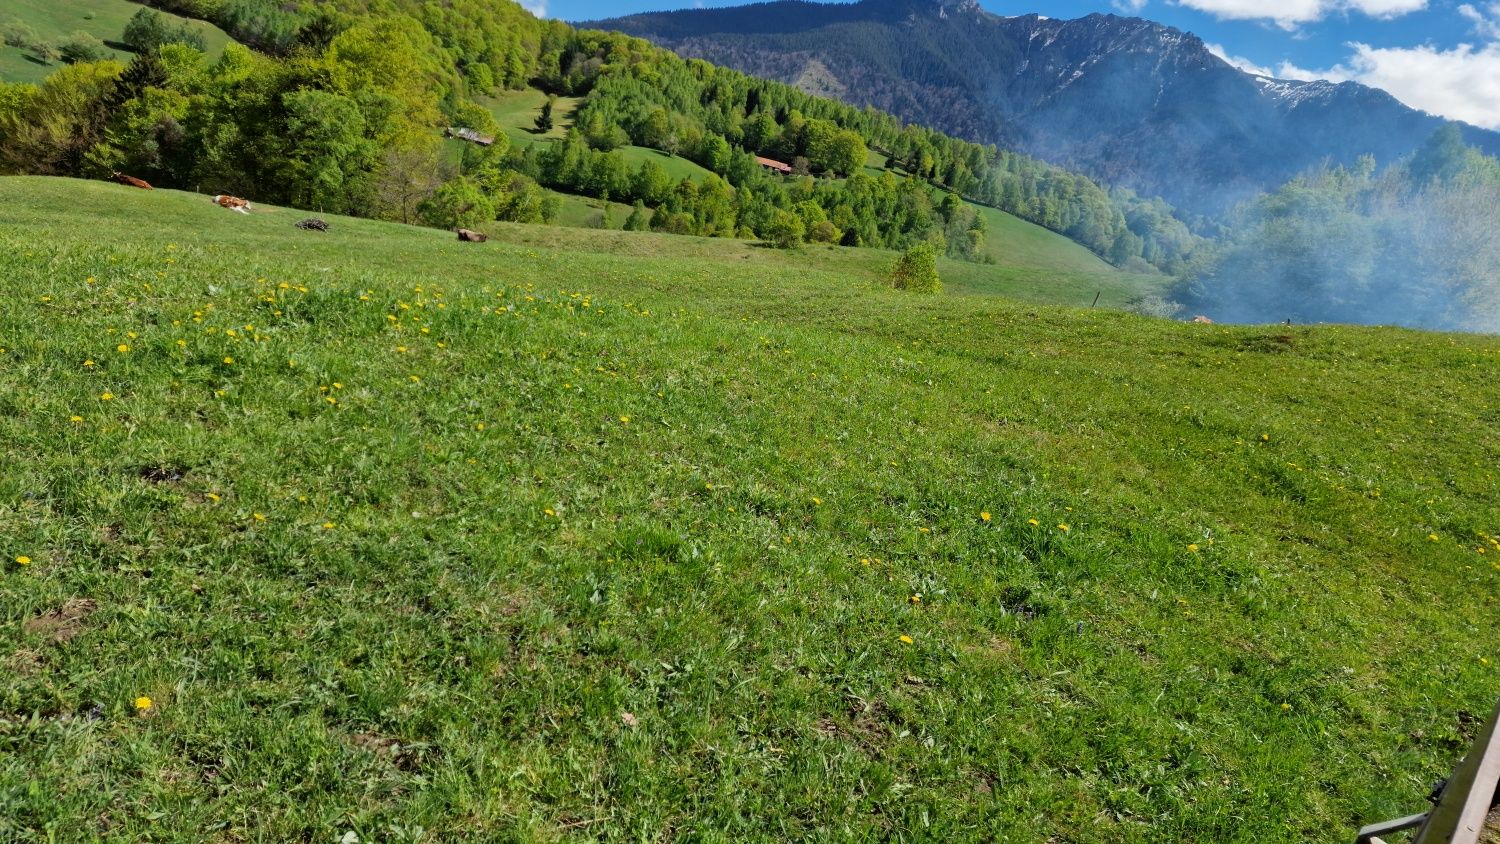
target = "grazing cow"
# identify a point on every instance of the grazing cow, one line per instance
(131, 181)
(1202, 320)
(471, 236)
(312, 224)
(233, 203)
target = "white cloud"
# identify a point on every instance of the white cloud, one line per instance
(1462, 83)
(536, 7)
(1289, 14)
(1486, 22)
(1129, 7)
(1285, 70)
(1239, 61)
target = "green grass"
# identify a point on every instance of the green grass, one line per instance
(620, 543)
(55, 20)
(1025, 254)
(517, 111)
(677, 167)
(584, 212)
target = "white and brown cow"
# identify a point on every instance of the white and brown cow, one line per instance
(233, 203)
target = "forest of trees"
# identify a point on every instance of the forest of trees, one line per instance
(338, 106)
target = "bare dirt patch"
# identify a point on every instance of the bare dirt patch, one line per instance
(62, 624)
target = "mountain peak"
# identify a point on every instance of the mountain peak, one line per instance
(1129, 101)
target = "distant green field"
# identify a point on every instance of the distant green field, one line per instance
(1028, 258)
(595, 536)
(517, 111)
(583, 212)
(54, 20)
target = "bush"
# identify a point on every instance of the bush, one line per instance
(149, 30)
(639, 219)
(459, 203)
(786, 230)
(15, 33)
(917, 270)
(82, 47)
(824, 232)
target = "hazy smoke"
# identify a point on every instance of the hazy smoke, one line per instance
(1344, 245)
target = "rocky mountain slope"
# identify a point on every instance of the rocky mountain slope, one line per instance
(1126, 100)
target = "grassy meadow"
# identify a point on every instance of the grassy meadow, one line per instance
(596, 536)
(55, 20)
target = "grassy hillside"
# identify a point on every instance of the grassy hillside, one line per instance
(517, 111)
(55, 20)
(375, 532)
(1030, 262)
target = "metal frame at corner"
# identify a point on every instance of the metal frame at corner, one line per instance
(1464, 806)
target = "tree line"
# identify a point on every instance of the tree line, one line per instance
(336, 110)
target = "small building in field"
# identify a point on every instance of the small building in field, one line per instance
(774, 166)
(469, 135)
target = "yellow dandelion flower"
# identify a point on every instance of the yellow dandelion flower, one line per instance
(1285, 706)
(479, 426)
(88, 363)
(864, 561)
(23, 560)
(143, 703)
(924, 530)
(1432, 537)
(75, 419)
(329, 526)
(904, 639)
(817, 502)
(984, 516)
(259, 517)
(1193, 547)
(229, 360)
(916, 598)
(212, 496)
(106, 396)
(550, 513)
(1064, 528)
(330, 400)
(414, 379)
(625, 420)
(1033, 522)
(122, 348)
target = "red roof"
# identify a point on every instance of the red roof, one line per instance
(773, 164)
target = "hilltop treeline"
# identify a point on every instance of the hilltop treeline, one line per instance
(1416, 244)
(338, 112)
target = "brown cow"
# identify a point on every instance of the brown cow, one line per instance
(471, 236)
(131, 181)
(233, 203)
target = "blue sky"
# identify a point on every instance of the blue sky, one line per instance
(1439, 55)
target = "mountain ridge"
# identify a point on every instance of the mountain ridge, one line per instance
(1125, 99)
